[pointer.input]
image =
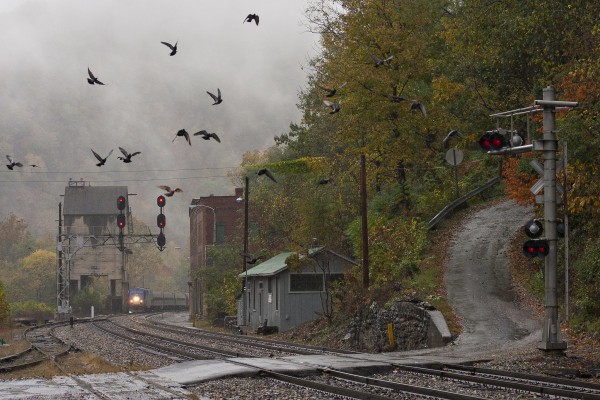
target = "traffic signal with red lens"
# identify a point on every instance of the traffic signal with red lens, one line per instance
(121, 221)
(536, 247)
(493, 140)
(121, 203)
(161, 221)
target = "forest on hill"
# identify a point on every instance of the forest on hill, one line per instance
(394, 79)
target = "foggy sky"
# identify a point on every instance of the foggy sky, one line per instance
(51, 116)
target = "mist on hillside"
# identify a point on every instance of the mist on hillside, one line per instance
(51, 117)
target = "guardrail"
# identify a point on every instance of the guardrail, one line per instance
(451, 206)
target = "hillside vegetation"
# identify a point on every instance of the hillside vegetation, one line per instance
(461, 61)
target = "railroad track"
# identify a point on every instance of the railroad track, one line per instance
(451, 379)
(43, 346)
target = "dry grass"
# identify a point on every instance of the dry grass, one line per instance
(15, 340)
(78, 363)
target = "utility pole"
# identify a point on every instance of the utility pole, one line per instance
(546, 247)
(551, 339)
(364, 222)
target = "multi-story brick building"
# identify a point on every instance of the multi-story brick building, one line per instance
(214, 220)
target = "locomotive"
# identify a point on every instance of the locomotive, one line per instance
(142, 299)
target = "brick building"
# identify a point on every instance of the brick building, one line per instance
(214, 220)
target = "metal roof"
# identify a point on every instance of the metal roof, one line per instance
(92, 200)
(270, 267)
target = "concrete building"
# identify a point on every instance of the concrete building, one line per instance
(89, 239)
(214, 220)
(280, 297)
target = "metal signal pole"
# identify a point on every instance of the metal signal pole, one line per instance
(551, 338)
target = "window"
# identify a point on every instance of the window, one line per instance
(269, 285)
(220, 235)
(306, 282)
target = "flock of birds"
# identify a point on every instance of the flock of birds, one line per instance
(334, 106)
(127, 156)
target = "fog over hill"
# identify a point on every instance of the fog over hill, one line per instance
(50, 116)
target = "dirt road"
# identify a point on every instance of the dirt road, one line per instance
(479, 284)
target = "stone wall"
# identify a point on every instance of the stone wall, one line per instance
(411, 322)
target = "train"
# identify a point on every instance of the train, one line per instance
(144, 300)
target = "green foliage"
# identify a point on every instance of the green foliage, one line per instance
(94, 294)
(31, 310)
(5, 311)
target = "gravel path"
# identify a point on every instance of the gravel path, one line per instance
(478, 279)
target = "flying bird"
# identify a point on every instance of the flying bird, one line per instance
(251, 17)
(250, 259)
(12, 163)
(101, 161)
(173, 48)
(417, 105)
(378, 61)
(217, 99)
(183, 133)
(207, 136)
(332, 92)
(170, 192)
(92, 79)
(335, 107)
(324, 181)
(127, 156)
(33, 165)
(264, 171)
(450, 134)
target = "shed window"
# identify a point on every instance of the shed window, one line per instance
(306, 282)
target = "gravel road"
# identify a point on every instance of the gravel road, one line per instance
(479, 284)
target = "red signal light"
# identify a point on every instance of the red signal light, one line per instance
(121, 221)
(121, 202)
(536, 247)
(161, 220)
(161, 201)
(485, 142)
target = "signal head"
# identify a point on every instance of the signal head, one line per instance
(484, 142)
(161, 240)
(161, 220)
(161, 201)
(121, 202)
(121, 220)
(497, 141)
(536, 247)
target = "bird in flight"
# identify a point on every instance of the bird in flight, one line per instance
(332, 92)
(379, 62)
(267, 173)
(170, 192)
(250, 259)
(33, 165)
(207, 136)
(453, 132)
(101, 161)
(183, 132)
(12, 163)
(251, 17)
(335, 107)
(92, 79)
(127, 156)
(324, 181)
(173, 48)
(417, 105)
(217, 99)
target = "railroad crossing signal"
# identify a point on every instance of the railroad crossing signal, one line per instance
(536, 247)
(161, 221)
(121, 204)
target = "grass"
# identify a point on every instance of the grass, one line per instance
(14, 340)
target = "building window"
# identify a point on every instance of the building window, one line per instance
(220, 235)
(269, 285)
(306, 282)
